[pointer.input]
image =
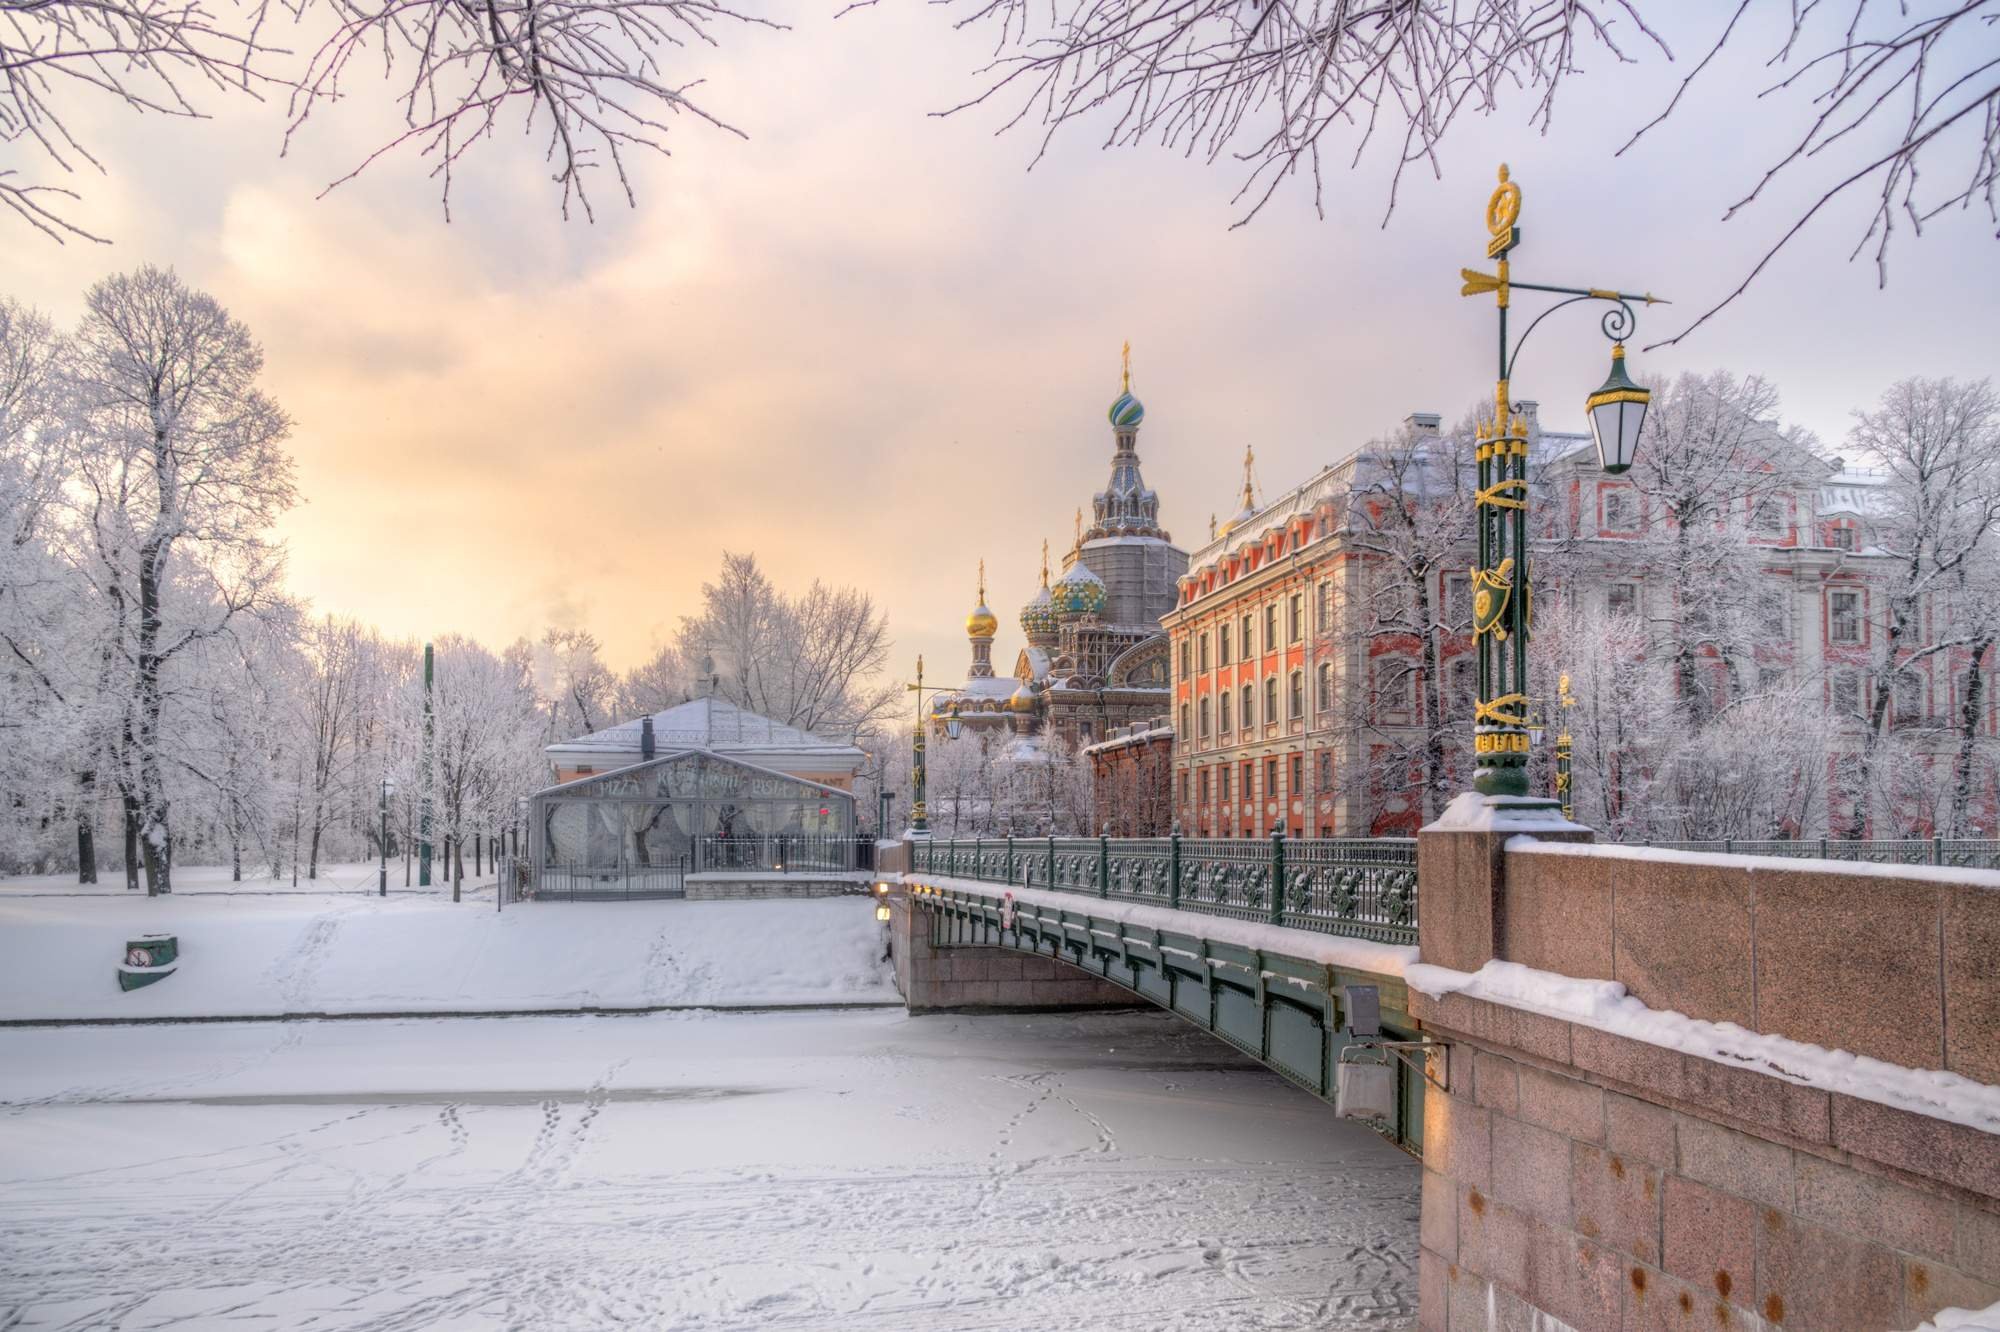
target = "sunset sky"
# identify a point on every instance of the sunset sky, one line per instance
(867, 344)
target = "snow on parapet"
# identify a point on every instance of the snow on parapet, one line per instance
(1973, 878)
(1473, 812)
(1963, 1320)
(1605, 1006)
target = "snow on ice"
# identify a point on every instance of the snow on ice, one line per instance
(828, 1170)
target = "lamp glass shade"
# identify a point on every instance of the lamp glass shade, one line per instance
(952, 725)
(1616, 412)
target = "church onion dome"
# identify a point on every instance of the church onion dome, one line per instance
(1232, 524)
(1127, 411)
(981, 623)
(1038, 617)
(1023, 699)
(1078, 593)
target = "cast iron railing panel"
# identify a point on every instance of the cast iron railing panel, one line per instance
(1365, 888)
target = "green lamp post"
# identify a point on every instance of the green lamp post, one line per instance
(1502, 606)
(920, 824)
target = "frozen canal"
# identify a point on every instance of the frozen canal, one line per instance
(814, 1170)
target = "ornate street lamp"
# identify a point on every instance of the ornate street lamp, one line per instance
(1502, 586)
(952, 725)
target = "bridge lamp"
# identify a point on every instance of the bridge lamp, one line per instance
(1616, 412)
(952, 725)
(882, 911)
(881, 890)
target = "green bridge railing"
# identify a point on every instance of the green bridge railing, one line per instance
(1364, 888)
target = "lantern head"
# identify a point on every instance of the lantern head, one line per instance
(1616, 412)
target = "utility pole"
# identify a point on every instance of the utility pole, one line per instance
(424, 781)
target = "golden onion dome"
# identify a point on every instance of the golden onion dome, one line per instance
(982, 623)
(1023, 698)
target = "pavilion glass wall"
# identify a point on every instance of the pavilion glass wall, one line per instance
(690, 811)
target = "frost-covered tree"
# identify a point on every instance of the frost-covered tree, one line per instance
(1715, 456)
(1408, 512)
(181, 473)
(1939, 442)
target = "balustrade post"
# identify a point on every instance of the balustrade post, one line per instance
(1104, 865)
(1010, 859)
(1277, 876)
(1174, 867)
(1052, 859)
(978, 856)
(1937, 849)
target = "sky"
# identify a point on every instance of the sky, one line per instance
(869, 344)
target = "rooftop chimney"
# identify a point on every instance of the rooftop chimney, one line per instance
(1425, 423)
(645, 739)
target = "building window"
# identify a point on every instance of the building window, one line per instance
(1324, 621)
(1846, 693)
(1222, 711)
(1187, 665)
(1842, 536)
(1296, 614)
(1325, 685)
(1204, 786)
(1768, 519)
(1774, 610)
(1457, 602)
(1186, 730)
(1222, 646)
(1249, 643)
(1271, 627)
(1247, 712)
(1908, 698)
(1298, 774)
(1620, 514)
(1184, 788)
(1204, 720)
(1396, 689)
(1270, 699)
(585, 772)
(1325, 771)
(1203, 653)
(1298, 698)
(1623, 598)
(1249, 777)
(1844, 617)
(1222, 780)
(1270, 779)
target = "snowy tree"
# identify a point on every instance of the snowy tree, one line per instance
(486, 756)
(1939, 442)
(1714, 458)
(811, 661)
(180, 476)
(578, 690)
(1408, 511)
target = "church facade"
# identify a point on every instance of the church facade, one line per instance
(1095, 656)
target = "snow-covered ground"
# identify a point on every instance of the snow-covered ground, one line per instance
(857, 1169)
(267, 955)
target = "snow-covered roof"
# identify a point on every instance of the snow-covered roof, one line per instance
(713, 724)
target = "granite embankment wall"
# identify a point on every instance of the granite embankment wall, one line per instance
(1617, 1184)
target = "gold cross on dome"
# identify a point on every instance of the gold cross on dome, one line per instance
(1127, 358)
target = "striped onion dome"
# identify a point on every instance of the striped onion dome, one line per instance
(1127, 411)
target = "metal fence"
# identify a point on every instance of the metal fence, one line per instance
(1365, 888)
(1958, 852)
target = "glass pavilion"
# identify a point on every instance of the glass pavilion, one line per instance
(687, 812)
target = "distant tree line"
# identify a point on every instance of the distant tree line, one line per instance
(164, 700)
